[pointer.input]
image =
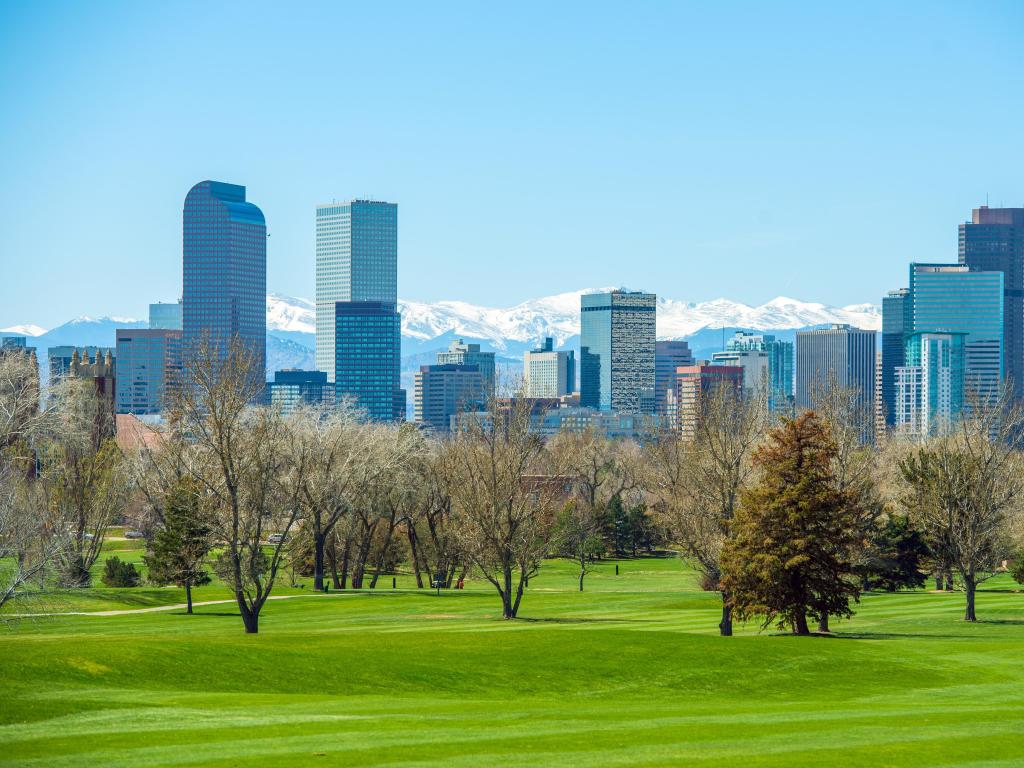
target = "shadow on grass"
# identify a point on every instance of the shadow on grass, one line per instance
(888, 636)
(563, 620)
(1018, 622)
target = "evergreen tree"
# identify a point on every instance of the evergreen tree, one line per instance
(895, 556)
(179, 550)
(794, 532)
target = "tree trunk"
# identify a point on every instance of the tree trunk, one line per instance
(800, 624)
(938, 582)
(969, 587)
(949, 581)
(823, 624)
(415, 553)
(725, 625)
(344, 563)
(188, 597)
(507, 611)
(250, 617)
(379, 565)
(318, 561)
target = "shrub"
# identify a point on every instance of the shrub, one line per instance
(117, 573)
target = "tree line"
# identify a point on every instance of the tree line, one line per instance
(789, 519)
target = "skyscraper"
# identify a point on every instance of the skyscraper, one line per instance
(780, 363)
(993, 241)
(224, 286)
(165, 316)
(548, 373)
(443, 391)
(356, 261)
(617, 332)
(367, 362)
(292, 387)
(694, 382)
(948, 298)
(148, 366)
(846, 352)
(930, 385)
(896, 323)
(461, 353)
(756, 367)
(668, 356)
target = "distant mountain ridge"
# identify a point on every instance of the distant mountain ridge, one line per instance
(509, 331)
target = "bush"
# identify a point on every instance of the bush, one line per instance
(117, 573)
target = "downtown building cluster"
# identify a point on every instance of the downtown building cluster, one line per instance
(956, 332)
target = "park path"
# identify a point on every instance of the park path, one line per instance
(156, 608)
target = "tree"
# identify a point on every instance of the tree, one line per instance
(696, 483)
(503, 498)
(788, 558)
(178, 551)
(894, 557)
(578, 535)
(248, 473)
(964, 486)
(118, 573)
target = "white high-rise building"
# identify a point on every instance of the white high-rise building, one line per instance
(548, 373)
(356, 260)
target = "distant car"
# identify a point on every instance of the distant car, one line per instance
(134, 535)
(275, 538)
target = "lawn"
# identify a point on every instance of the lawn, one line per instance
(630, 672)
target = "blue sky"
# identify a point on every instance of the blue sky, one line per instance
(697, 150)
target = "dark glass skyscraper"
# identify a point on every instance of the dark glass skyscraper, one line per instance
(224, 285)
(896, 325)
(617, 332)
(367, 357)
(993, 241)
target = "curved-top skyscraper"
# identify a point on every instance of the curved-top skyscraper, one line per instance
(224, 283)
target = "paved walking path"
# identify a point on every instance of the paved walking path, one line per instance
(155, 608)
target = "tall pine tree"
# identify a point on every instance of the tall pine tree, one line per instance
(177, 552)
(794, 533)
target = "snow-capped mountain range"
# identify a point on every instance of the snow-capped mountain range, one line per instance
(427, 327)
(558, 316)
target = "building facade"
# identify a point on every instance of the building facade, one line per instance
(668, 356)
(548, 373)
(843, 351)
(930, 385)
(693, 384)
(780, 363)
(461, 353)
(756, 367)
(617, 337)
(293, 387)
(148, 366)
(224, 282)
(951, 298)
(356, 261)
(441, 392)
(165, 316)
(896, 324)
(993, 241)
(59, 359)
(367, 357)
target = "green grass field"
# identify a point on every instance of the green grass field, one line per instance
(631, 672)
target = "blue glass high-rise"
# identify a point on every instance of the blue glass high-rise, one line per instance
(224, 282)
(617, 332)
(367, 357)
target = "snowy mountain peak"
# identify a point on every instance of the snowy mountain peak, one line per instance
(28, 329)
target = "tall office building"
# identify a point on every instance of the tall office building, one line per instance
(695, 382)
(292, 387)
(846, 352)
(443, 391)
(947, 298)
(367, 362)
(165, 316)
(896, 324)
(756, 367)
(224, 286)
(148, 367)
(356, 261)
(780, 363)
(668, 356)
(993, 241)
(548, 373)
(617, 332)
(461, 353)
(930, 385)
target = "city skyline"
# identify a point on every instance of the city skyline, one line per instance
(714, 209)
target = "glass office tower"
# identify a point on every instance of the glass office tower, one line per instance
(224, 286)
(148, 367)
(950, 298)
(993, 241)
(165, 316)
(356, 261)
(293, 387)
(895, 326)
(617, 333)
(367, 360)
(780, 363)
(930, 385)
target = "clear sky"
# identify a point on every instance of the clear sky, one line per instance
(697, 150)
